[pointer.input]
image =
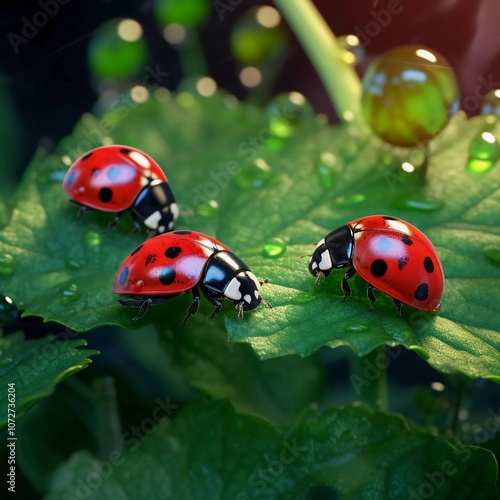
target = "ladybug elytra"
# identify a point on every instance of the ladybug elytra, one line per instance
(119, 178)
(170, 264)
(390, 254)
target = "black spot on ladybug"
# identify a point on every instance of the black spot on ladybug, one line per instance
(105, 194)
(183, 232)
(150, 258)
(125, 151)
(378, 268)
(113, 173)
(402, 261)
(123, 276)
(94, 171)
(428, 265)
(387, 217)
(88, 155)
(136, 250)
(172, 252)
(422, 291)
(407, 240)
(167, 275)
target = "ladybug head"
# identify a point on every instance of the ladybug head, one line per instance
(243, 289)
(320, 263)
(332, 252)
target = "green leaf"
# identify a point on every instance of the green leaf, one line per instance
(211, 452)
(34, 368)
(276, 388)
(213, 149)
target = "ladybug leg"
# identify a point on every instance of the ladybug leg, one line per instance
(80, 214)
(143, 310)
(345, 286)
(135, 222)
(193, 308)
(115, 221)
(398, 305)
(371, 296)
(218, 307)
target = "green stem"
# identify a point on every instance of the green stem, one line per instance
(369, 378)
(339, 78)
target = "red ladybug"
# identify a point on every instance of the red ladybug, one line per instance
(168, 265)
(390, 254)
(118, 178)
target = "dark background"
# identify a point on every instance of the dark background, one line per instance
(50, 85)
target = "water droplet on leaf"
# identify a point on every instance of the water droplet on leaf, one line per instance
(209, 209)
(69, 294)
(7, 265)
(324, 167)
(484, 152)
(93, 245)
(274, 248)
(71, 264)
(286, 111)
(8, 310)
(255, 175)
(351, 199)
(411, 201)
(355, 328)
(409, 94)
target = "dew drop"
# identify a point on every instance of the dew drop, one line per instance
(255, 175)
(93, 242)
(6, 361)
(275, 247)
(351, 199)
(484, 152)
(7, 265)
(92, 239)
(324, 167)
(353, 51)
(71, 264)
(137, 286)
(410, 201)
(8, 310)
(355, 328)
(491, 103)
(69, 294)
(286, 111)
(493, 254)
(209, 209)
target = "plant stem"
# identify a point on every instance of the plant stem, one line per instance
(369, 380)
(339, 78)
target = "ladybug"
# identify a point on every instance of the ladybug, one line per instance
(118, 178)
(170, 264)
(390, 254)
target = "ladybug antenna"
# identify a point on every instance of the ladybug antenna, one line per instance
(267, 303)
(307, 255)
(263, 282)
